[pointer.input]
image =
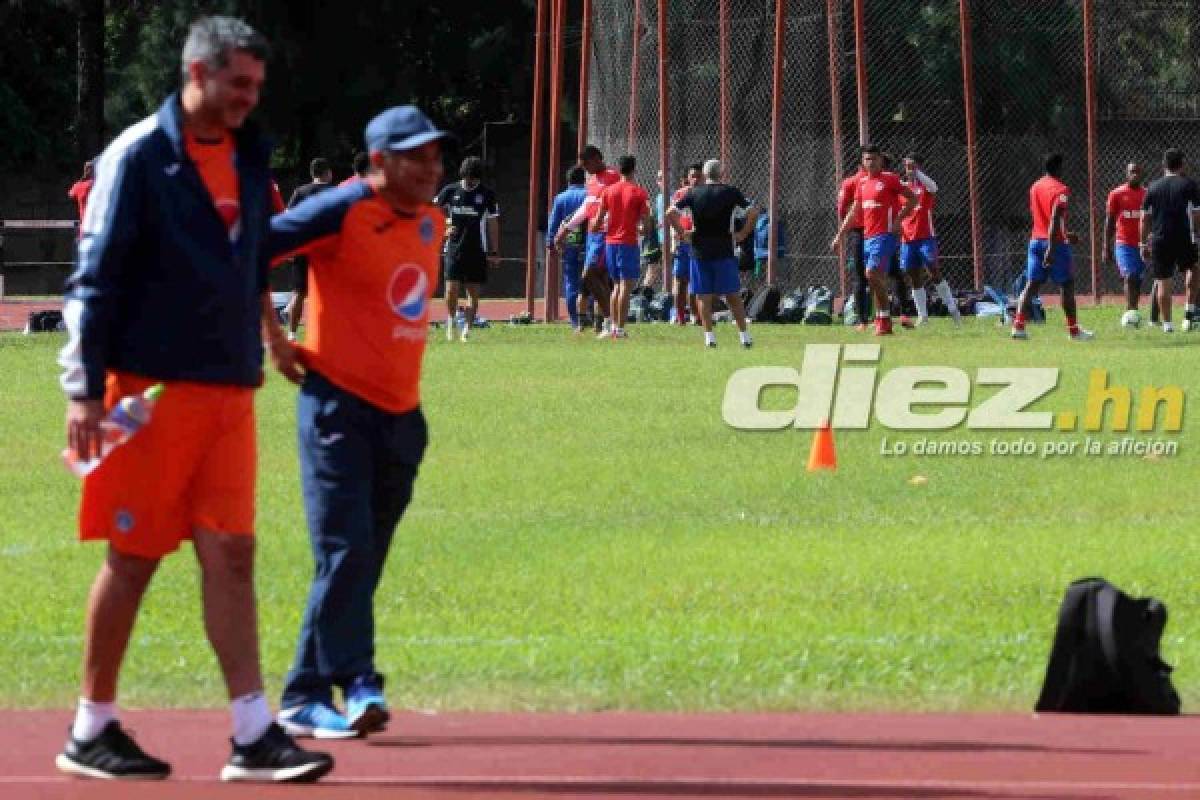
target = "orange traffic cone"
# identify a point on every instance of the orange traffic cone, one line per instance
(823, 456)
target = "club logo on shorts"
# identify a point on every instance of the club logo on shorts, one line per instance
(426, 229)
(123, 521)
(406, 291)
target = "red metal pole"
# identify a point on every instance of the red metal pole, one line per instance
(553, 261)
(535, 154)
(966, 38)
(664, 150)
(1089, 80)
(835, 111)
(860, 71)
(633, 73)
(585, 74)
(776, 115)
(723, 83)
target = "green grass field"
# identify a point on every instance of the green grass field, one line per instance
(588, 534)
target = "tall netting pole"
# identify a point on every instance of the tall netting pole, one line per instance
(835, 112)
(550, 289)
(776, 115)
(634, 88)
(860, 71)
(585, 74)
(535, 154)
(723, 83)
(664, 143)
(968, 70)
(1089, 82)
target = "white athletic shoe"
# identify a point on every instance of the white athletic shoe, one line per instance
(1168, 327)
(1189, 324)
(1020, 333)
(466, 334)
(1081, 335)
(450, 331)
(1131, 319)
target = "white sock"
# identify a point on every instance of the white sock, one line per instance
(91, 719)
(251, 717)
(921, 301)
(745, 335)
(710, 337)
(944, 292)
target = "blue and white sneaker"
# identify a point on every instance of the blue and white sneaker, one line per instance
(315, 720)
(366, 710)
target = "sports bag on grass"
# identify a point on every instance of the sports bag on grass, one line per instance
(764, 305)
(818, 307)
(1105, 658)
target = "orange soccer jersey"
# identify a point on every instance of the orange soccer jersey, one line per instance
(372, 274)
(214, 162)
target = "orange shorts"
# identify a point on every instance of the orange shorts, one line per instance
(193, 465)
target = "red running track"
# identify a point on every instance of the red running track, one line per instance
(624, 755)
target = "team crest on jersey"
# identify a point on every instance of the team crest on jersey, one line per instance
(407, 290)
(426, 230)
(123, 521)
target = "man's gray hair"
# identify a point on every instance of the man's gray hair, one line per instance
(713, 170)
(212, 39)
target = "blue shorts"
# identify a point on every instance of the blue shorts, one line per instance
(719, 276)
(879, 251)
(682, 267)
(624, 262)
(1129, 261)
(1060, 270)
(595, 251)
(918, 254)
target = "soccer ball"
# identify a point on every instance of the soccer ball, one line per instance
(1131, 319)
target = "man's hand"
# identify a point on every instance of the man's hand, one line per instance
(285, 358)
(84, 434)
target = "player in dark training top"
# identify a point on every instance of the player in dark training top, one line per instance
(472, 240)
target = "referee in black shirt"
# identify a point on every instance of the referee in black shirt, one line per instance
(1171, 212)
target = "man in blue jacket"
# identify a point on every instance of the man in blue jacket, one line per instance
(171, 287)
(565, 205)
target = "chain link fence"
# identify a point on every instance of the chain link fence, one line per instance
(1029, 97)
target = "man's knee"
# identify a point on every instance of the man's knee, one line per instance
(225, 556)
(130, 570)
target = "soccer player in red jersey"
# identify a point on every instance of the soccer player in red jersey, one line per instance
(1049, 249)
(80, 190)
(1122, 238)
(876, 198)
(853, 246)
(919, 244)
(681, 270)
(624, 209)
(374, 254)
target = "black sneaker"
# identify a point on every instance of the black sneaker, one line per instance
(275, 758)
(112, 755)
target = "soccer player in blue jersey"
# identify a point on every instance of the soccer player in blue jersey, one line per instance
(565, 205)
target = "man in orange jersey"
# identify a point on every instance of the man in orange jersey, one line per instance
(374, 249)
(171, 287)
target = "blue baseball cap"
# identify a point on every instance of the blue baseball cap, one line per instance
(401, 128)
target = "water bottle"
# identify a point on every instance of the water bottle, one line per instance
(127, 417)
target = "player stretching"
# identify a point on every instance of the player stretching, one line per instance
(875, 198)
(1049, 249)
(919, 244)
(1122, 217)
(622, 207)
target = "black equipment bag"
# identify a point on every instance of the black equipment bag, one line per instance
(764, 306)
(1105, 657)
(45, 322)
(818, 309)
(792, 306)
